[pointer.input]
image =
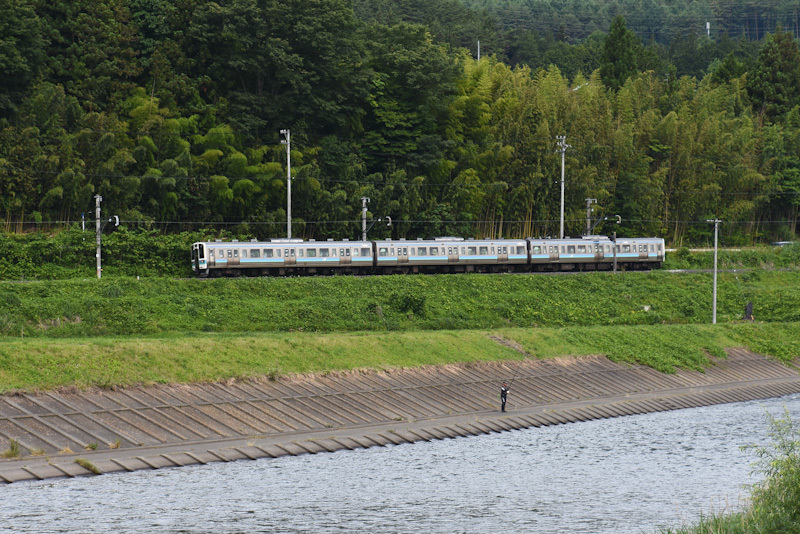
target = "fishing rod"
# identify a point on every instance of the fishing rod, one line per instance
(516, 371)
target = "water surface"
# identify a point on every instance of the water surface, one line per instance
(626, 475)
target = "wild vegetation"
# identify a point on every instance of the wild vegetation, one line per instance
(171, 112)
(155, 306)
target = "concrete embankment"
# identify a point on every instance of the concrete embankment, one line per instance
(75, 433)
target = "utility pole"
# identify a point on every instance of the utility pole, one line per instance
(479, 50)
(589, 202)
(563, 146)
(115, 219)
(98, 199)
(614, 248)
(287, 142)
(716, 236)
(364, 201)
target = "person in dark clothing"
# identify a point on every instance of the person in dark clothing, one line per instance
(503, 397)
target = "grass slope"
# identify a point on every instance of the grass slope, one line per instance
(32, 364)
(157, 306)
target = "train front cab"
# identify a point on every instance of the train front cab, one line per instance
(199, 260)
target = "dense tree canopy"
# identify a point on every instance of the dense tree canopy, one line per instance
(171, 110)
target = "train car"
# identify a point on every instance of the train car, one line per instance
(287, 257)
(595, 253)
(639, 253)
(281, 257)
(450, 255)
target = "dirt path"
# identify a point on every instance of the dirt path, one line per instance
(167, 426)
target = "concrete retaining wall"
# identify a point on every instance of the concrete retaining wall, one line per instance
(167, 426)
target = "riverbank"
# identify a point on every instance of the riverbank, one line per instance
(75, 433)
(33, 364)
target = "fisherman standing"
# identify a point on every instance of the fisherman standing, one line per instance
(503, 396)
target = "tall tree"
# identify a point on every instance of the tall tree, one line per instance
(619, 54)
(774, 84)
(21, 52)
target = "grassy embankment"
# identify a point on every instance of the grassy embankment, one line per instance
(126, 331)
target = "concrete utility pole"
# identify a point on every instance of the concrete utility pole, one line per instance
(562, 146)
(614, 248)
(114, 219)
(364, 201)
(479, 50)
(98, 199)
(288, 144)
(716, 236)
(589, 202)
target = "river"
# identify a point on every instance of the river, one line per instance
(626, 475)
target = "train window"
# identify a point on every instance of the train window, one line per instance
(434, 251)
(405, 251)
(581, 248)
(333, 252)
(267, 252)
(383, 251)
(493, 249)
(346, 252)
(413, 251)
(255, 253)
(366, 252)
(211, 253)
(483, 251)
(626, 248)
(301, 252)
(291, 251)
(236, 253)
(341, 252)
(230, 253)
(463, 251)
(244, 253)
(311, 253)
(535, 249)
(449, 251)
(563, 249)
(391, 251)
(471, 251)
(278, 253)
(571, 249)
(423, 251)
(324, 252)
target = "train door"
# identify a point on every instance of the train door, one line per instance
(452, 254)
(502, 254)
(232, 256)
(642, 252)
(344, 255)
(599, 253)
(402, 254)
(289, 256)
(552, 251)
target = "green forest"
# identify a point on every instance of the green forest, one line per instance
(172, 111)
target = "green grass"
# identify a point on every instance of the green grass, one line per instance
(41, 364)
(158, 306)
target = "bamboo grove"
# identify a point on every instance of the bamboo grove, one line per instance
(171, 111)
